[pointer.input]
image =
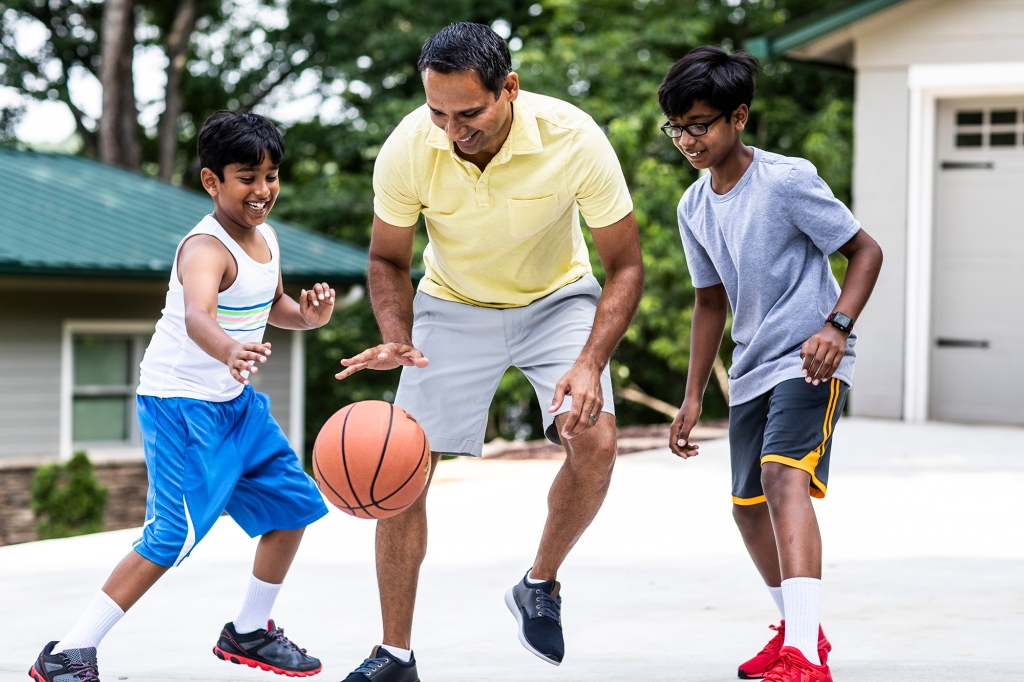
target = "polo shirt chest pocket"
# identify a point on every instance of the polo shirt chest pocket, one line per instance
(527, 217)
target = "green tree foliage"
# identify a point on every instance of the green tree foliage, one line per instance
(67, 499)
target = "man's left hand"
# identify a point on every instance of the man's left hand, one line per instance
(583, 384)
(822, 354)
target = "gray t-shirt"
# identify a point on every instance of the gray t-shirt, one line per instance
(768, 242)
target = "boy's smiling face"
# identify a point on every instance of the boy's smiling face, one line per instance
(247, 193)
(710, 149)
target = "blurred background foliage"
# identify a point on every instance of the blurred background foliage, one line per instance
(350, 66)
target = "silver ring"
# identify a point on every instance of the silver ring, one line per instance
(593, 417)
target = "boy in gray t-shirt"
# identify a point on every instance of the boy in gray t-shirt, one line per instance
(757, 231)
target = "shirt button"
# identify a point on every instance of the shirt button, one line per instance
(480, 185)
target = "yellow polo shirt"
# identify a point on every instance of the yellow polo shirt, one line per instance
(509, 235)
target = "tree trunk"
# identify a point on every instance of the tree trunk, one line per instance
(119, 128)
(177, 46)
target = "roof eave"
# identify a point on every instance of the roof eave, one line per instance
(782, 42)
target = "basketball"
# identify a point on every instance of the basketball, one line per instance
(371, 459)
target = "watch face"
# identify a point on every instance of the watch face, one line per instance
(842, 320)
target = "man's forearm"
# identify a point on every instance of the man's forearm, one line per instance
(391, 294)
(706, 334)
(619, 301)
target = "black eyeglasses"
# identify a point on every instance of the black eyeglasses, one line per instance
(693, 130)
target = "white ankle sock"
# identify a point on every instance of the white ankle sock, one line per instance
(776, 593)
(533, 581)
(259, 600)
(101, 615)
(802, 597)
(404, 655)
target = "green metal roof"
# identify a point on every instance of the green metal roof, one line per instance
(67, 215)
(799, 33)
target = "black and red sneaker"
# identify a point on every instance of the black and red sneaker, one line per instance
(72, 665)
(267, 650)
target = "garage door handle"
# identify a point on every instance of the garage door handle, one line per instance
(968, 165)
(962, 343)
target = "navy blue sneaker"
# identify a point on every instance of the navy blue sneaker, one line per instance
(73, 665)
(538, 610)
(381, 666)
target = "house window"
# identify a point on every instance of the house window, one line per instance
(101, 375)
(104, 385)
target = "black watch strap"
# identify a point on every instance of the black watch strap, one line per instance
(841, 321)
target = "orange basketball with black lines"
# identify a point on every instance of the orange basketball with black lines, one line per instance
(371, 459)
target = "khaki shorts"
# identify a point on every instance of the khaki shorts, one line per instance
(470, 348)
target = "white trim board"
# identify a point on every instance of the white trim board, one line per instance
(929, 83)
(67, 364)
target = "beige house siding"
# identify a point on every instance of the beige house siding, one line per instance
(32, 315)
(880, 203)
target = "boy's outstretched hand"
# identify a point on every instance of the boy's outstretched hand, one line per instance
(822, 354)
(243, 358)
(316, 305)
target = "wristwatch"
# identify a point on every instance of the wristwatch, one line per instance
(841, 322)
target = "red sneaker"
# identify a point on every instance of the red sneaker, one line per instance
(792, 666)
(756, 667)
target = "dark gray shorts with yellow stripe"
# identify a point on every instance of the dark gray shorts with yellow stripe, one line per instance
(791, 424)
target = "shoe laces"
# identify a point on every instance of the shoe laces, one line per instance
(547, 605)
(278, 635)
(84, 672)
(781, 670)
(371, 665)
(775, 643)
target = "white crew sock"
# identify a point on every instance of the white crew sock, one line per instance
(776, 593)
(259, 600)
(533, 581)
(802, 597)
(404, 655)
(101, 615)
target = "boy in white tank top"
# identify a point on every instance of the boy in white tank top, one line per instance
(211, 443)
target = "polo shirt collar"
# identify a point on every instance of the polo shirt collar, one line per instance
(523, 138)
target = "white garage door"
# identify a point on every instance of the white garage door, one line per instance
(977, 352)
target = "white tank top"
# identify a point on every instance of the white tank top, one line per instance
(174, 366)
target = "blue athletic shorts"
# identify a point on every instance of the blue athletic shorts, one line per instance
(205, 458)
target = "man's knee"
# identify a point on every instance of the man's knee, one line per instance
(594, 450)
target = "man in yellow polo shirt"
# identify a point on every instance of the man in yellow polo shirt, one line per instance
(500, 176)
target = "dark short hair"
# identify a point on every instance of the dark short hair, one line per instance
(464, 46)
(709, 73)
(238, 137)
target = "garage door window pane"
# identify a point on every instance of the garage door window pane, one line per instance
(970, 118)
(99, 418)
(1003, 139)
(969, 140)
(1004, 117)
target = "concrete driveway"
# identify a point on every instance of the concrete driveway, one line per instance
(924, 571)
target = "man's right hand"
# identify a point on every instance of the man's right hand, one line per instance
(679, 432)
(384, 356)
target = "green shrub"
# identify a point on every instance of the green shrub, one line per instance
(67, 499)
